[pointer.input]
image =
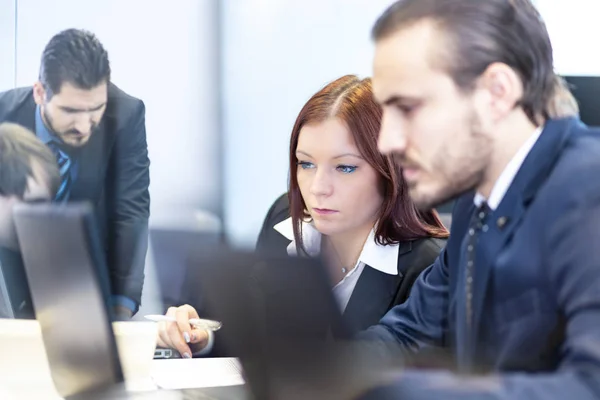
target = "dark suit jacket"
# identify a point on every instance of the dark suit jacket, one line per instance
(375, 292)
(113, 175)
(536, 289)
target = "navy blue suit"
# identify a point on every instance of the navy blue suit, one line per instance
(536, 287)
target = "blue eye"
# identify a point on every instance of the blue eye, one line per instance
(346, 169)
(305, 164)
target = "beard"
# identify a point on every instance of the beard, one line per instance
(72, 133)
(455, 170)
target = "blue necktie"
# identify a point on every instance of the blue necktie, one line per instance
(64, 165)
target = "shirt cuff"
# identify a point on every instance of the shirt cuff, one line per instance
(209, 345)
(124, 301)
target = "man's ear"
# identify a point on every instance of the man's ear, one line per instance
(504, 88)
(39, 93)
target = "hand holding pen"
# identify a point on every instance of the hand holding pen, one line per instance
(183, 330)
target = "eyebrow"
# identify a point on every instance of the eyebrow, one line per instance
(399, 99)
(71, 109)
(336, 157)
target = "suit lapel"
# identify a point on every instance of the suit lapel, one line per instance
(373, 294)
(506, 218)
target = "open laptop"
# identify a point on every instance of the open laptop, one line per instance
(68, 278)
(281, 319)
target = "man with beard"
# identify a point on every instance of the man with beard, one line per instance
(470, 102)
(97, 134)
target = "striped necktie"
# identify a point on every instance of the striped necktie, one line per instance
(64, 165)
(477, 225)
(465, 356)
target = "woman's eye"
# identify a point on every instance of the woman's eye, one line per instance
(346, 169)
(305, 165)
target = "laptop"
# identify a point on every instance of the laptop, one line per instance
(69, 287)
(281, 319)
(68, 278)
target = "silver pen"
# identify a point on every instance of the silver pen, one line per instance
(206, 324)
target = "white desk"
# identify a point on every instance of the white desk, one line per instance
(24, 370)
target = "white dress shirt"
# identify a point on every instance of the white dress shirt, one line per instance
(508, 174)
(381, 258)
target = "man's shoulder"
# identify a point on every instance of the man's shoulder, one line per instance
(12, 99)
(122, 106)
(577, 170)
(118, 95)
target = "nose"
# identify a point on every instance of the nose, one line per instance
(321, 184)
(84, 123)
(392, 135)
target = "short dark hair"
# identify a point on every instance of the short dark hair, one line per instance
(351, 100)
(19, 150)
(73, 56)
(481, 33)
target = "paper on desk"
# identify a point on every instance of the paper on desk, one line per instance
(196, 373)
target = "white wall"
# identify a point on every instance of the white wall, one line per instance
(7, 44)
(164, 52)
(574, 31)
(276, 54)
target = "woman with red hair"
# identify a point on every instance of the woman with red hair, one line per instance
(346, 203)
(350, 205)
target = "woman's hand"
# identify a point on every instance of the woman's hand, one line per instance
(180, 335)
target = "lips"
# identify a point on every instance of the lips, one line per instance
(324, 211)
(410, 174)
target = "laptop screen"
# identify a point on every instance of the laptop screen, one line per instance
(69, 287)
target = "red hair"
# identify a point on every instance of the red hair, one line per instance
(351, 100)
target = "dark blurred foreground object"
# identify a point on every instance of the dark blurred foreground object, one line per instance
(279, 317)
(69, 285)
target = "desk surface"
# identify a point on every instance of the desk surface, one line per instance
(203, 378)
(24, 372)
(216, 393)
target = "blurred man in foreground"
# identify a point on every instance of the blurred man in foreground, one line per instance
(470, 98)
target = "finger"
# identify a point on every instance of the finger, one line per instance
(183, 315)
(199, 336)
(192, 313)
(176, 340)
(162, 339)
(173, 336)
(163, 329)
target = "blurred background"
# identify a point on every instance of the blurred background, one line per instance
(223, 81)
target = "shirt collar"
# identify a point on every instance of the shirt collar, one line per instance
(41, 130)
(508, 174)
(376, 256)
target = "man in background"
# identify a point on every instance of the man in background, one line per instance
(28, 172)
(97, 134)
